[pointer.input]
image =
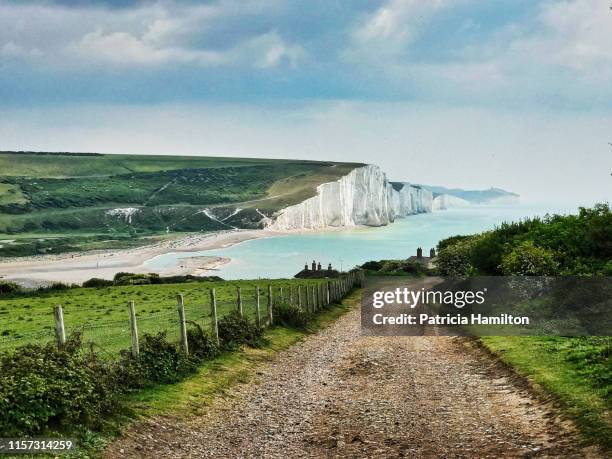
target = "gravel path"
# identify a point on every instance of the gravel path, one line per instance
(338, 394)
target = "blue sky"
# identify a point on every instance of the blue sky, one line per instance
(416, 86)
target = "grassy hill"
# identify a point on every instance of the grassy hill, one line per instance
(70, 199)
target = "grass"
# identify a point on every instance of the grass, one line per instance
(102, 312)
(11, 194)
(576, 372)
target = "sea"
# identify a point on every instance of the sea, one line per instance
(283, 256)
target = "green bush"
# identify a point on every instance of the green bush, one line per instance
(290, 315)
(235, 330)
(454, 260)
(43, 386)
(558, 244)
(202, 345)
(95, 282)
(372, 265)
(7, 288)
(529, 260)
(163, 361)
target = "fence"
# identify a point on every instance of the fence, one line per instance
(205, 309)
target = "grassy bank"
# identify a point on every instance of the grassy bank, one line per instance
(575, 372)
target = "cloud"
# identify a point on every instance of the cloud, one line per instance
(146, 34)
(576, 35)
(393, 26)
(127, 49)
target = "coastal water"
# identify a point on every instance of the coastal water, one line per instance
(283, 256)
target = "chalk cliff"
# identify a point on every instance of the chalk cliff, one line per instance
(362, 197)
(447, 201)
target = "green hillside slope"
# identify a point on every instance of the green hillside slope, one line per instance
(81, 196)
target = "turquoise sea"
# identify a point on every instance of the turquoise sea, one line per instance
(283, 256)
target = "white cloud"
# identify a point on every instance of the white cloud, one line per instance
(573, 34)
(151, 34)
(392, 27)
(127, 49)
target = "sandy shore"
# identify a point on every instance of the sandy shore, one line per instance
(76, 268)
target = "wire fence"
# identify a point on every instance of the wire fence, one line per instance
(109, 328)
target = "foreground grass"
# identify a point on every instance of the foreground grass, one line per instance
(576, 372)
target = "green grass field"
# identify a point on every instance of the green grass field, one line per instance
(102, 314)
(576, 372)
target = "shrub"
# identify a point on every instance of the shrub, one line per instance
(6, 288)
(163, 361)
(43, 385)
(202, 345)
(372, 265)
(235, 330)
(529, 260)
(454, 259)
(95, 282)
(291, 316)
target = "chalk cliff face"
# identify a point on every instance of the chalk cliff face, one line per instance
(362, 197)
(447, 201)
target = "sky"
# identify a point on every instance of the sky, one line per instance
(515, 94)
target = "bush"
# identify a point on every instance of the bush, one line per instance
(43, 386)
(162, 361)
(529, 260)
(95, 282)
(235, 330)
(202, 345)
(454, 260)
(291, 316)
(372, 265)
(7, 288)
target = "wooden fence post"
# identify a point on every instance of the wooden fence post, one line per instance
(315, 298)
(299, 296)
(182, 323)
(133, 329)
(280, 294)
(328, 292)
(213, 311)
(291, 294)
(270, 321)
(307, 300)
(60, 331)
(257, 308)
(239, 301)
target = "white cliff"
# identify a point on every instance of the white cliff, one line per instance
(362, 197)
(447, 201)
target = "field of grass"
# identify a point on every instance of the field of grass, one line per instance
(11, 194)
(69, 194)
(577, 372)
(102, 314)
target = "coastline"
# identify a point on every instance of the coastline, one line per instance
(75, 268)
(78, 267)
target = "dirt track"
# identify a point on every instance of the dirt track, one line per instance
(338, 394)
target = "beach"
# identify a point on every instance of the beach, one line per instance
(76, 268)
